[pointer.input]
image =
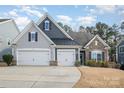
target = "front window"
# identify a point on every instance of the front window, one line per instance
(33, 36)
(46, 25)
(96, 55)
(121, 49)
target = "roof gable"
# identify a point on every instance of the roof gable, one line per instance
(101, 40)
(28, 28)
(57, 31)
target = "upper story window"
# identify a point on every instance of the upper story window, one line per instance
(96, 43)
(47, 25)
(33, 36)
(121, 49)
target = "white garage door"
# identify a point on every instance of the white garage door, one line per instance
(33, 57)
(66, 57)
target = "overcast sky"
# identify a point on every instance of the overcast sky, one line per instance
(74, 16)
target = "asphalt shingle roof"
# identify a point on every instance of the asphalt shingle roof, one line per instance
(64, 41)
(2, 20)
(81, 37)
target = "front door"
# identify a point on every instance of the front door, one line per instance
(82, 57)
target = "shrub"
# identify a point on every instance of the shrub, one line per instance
(77, 63)
(106, 64)
(117, 65)
(122, 67)
(7, 58)
(93, 63)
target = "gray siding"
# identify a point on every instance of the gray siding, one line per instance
(8, 31)
(41, 43)
(120, 55)
(54, 31)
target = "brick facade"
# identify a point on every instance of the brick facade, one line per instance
(100, 46)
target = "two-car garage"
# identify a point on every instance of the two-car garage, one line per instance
(42, 57)
(33, 56)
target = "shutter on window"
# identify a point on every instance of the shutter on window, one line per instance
(36, 36)
(89, 55)
(29, 36)
(103, 56)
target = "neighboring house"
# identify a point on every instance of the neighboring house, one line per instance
(93, 47)
(120, 52)
(45, 43)
(8, 31)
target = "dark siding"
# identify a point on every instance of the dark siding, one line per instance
(54, 31)
(120, 55)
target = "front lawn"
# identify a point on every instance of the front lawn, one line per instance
(95, 77)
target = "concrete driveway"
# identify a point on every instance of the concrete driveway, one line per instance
(38, 77)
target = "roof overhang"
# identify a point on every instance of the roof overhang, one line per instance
(68, 46)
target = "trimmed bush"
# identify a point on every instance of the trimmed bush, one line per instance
(93, 63)
(77, 63)
(117, 65)
(122, 67)
(7, 58)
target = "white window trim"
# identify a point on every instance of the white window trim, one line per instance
(47, 21)
(120, 47)
(31, 36)
(97, 51)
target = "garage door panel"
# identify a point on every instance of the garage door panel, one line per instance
(33, 57)
(66, 57)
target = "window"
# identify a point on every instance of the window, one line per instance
(47, 25)
(96, 55)
(8, 41)
(121, 49)
(96, 43)
(33, 36)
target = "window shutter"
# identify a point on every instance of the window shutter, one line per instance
(36, 36)
(103, 56)
(89, 55)
(29, 36)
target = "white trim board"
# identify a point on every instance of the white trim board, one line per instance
(29, 27)
(42, 49)
(47, 15)
(68, 46)
(96, 36)
(119, 49)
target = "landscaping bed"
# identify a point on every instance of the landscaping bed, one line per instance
(3, 64)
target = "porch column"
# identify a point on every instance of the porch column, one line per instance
(78, 54)
(52, 53)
